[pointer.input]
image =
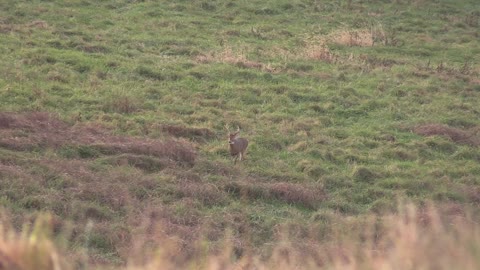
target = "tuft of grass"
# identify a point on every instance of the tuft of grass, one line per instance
(363, 174)
(31, 249)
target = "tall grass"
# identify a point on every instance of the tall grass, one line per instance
(429, 237)
(413, 238)
(30, 249)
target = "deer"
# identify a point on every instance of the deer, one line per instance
(237, 145)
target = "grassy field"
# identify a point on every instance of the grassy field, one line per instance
(112, 118)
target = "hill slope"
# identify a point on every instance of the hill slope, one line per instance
(113, 114)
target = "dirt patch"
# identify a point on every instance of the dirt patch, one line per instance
(456, 135)
(37, 130)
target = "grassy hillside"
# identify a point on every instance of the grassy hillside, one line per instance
(112, 117)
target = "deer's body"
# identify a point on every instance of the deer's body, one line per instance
(238, 146)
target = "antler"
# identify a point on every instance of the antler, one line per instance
(237, 131)
(228, 129)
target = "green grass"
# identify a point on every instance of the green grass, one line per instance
(323, 109)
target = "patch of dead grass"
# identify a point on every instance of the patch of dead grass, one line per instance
(35, 25)
(206, 193)
(290, 193)
(234, 57)
(202, 134)
(145, 163)
(319, 52)
(39, 130)
(455, 134)
(40, 24)
(360, 38)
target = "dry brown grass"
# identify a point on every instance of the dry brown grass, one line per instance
(31, 250)
(42, 130)
(77, 190)
(30, 27)
(180, 151)
(314, 48)
(445, 237)
(454, 134)
(13, 171)
(143, 162)
(361, 38)
(291, 193)
(319, 52)
(234, 57)
(206, 193)
(201, 134)
(317, 48)
(412, 239)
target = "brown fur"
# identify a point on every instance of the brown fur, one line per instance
(238, 146)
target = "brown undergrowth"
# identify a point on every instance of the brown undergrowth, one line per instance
(36, 130)
(30, 27)
(306, 196)
(91, 181)
(361, 38)
(455, 134)
(234, 57)
(197, 134)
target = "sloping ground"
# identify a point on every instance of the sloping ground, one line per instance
(84, 174)
(326, 92)
(109, 190)
(42, 130)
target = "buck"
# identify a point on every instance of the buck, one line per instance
(237, 145)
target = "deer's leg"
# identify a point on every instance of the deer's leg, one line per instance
(235, 159)
(241, 156)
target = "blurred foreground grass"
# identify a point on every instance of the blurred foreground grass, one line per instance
(430, 237)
